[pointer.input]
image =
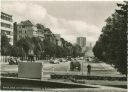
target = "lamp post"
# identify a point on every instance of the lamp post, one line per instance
(83, 63)
(82, 68)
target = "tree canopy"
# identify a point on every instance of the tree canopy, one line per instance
(111, 46)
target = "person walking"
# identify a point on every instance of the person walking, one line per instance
(89, 70)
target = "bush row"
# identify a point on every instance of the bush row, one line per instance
(9, 74)
(57, 76)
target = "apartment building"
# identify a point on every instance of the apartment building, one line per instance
(58, 38)
(40, 31)
(7, 26)
(25, 29)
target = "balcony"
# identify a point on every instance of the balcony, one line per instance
(9, 36)
(8, 22)
(7, 29)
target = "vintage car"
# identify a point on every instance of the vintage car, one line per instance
(13, 61)
(75, 66)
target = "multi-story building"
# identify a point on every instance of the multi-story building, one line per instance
(7, 26)
(40, 31)
(58, 38)
(27, 29)
(81, 41)
(54, 40)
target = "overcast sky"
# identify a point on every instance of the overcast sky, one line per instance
(70, 19)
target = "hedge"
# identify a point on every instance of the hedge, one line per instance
(60, 76)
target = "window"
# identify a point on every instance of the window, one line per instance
(6, 32)
(9, 39)
(20, 36)
(2, 31)
(7, 18)
(19, 26)
(19, 31)
(2, 17)
(23, 26)
(5, 25)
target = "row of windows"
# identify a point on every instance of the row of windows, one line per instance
(22, 31)
(6, 18)
(23, 26)
(21, 36)
(6, 25)
(25, 31)
(5, 32)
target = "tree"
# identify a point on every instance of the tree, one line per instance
(76, 50)
(5, 45)
(111, 46)
(97, 49)
(25, 44)
(14, 51)
(37, 46)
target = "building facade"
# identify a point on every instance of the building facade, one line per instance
(58, 39)
(81, 41)
(27, 29)
(7, 26)
(40, 31)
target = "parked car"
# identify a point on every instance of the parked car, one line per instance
(64, 60)
(56, 61)
(13, 61)
(51, 61)
(75, 65)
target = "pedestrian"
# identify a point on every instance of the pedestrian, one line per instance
(89, 69)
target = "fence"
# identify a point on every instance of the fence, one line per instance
(78, 77)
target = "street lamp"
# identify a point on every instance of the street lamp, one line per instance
(83, 64)
(42, 52)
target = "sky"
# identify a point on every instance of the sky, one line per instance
(70, 19)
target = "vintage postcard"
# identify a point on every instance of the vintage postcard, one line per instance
(64, 46)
